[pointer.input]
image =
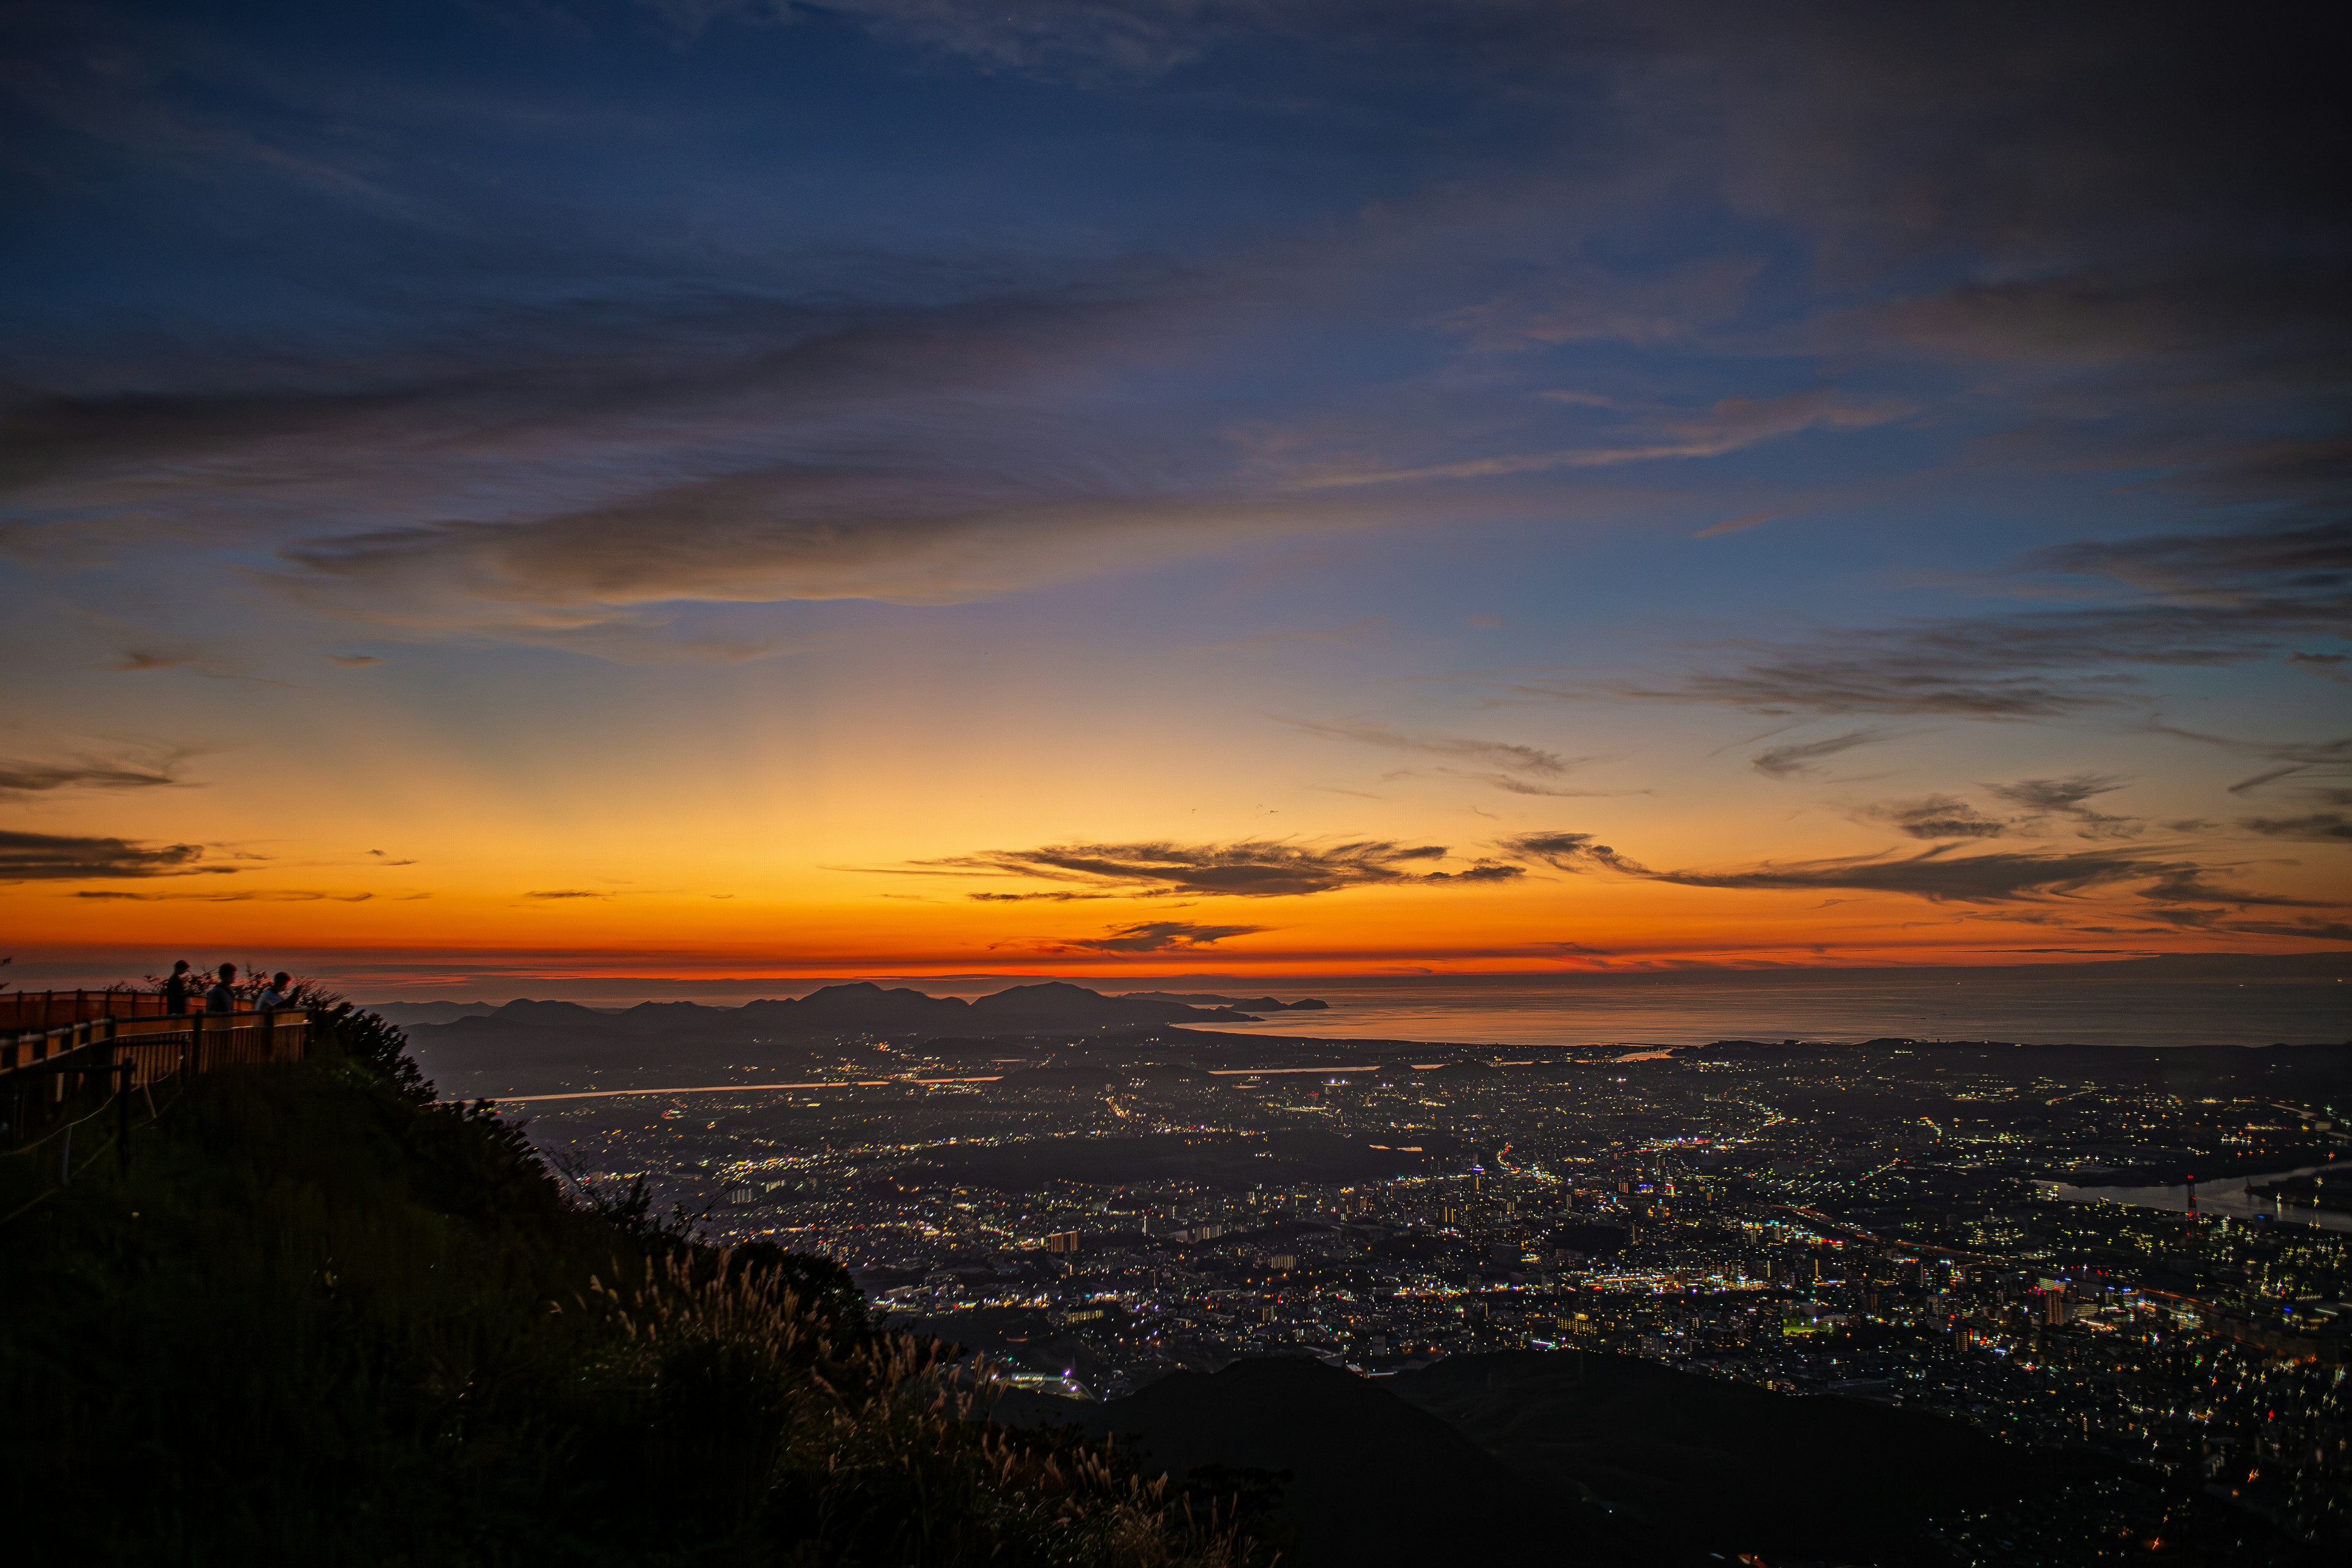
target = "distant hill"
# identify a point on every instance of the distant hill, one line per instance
(527, 1045)
(402, 1014)
(863, 1008)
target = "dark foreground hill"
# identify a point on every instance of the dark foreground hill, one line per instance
(1708, 1466)
(322, 1321)
(1374, 1480)
(1556, 1457)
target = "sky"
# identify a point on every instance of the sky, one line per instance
(1134, 487)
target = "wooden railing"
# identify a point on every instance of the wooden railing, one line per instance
(23, 1010)
(42, 1069)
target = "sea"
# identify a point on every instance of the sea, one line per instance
(2191, 1000)
(2090, 1005)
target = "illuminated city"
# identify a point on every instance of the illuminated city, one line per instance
(1908, 1222)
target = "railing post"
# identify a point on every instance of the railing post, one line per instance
(195, 1045)
(125, 1072)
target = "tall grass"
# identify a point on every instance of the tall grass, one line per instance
(323, 1320)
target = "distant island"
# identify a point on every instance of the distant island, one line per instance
(476, 1048)
(860, 1007)
(1245, 1003)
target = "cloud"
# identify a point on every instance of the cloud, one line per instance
(769, 536)
(1569, 852)
(354, 660)
(1103, 46)
(2198, 601)
(570, 893)
(2066, 795)
(1936, 874)
(1742, 522)
(1517, 769)
(2310, 761)
(88, 773)
(1484, 871)
(2069, 798)
(1258, 868)
(2317, 827)
(1728, 425)
(1023, 897)
(1586, 304)
(1935, 817)
(238, 896)
(54, 858)
(2308, 929)
(1507, 755)
(2229, 568)
(135, 660)
(1795, 759)
(569, 474)
(378, 855)
(1162, 936)
(1515, 785)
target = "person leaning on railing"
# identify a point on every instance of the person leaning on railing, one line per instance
(276, 996)
(175, 990)
(222, 996)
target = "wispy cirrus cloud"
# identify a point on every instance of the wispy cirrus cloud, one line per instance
(2313, 763)
(21, 777)
(2049, 806)
(1033, 898)
(1729, 425)
(2313, 828)
(1934, 817)
(1261, 869)
(239, 896)
(1939, 874)
(2194, 600)
(573, 478)
(1797, 759)
(1160, 936)
(66, 858)
(1506, 755)
(2070, 799)
(1513, 767)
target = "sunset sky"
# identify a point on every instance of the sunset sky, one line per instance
(1146, 486)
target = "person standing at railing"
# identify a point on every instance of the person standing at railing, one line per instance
(175, 990)
(222, 996)
(276, 996)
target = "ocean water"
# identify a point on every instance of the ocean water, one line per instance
(2104, 1005)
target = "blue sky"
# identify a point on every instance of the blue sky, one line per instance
(1117, 418)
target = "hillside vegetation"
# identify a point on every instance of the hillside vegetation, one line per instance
(324, 1320)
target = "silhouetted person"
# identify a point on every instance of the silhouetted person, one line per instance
(276, 996)
(175, 990)
(221, 997)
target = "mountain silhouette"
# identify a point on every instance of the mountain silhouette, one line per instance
(1374, 1480)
